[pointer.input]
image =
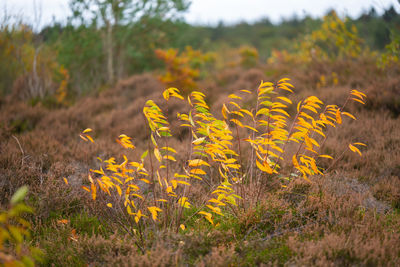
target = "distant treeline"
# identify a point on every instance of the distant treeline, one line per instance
(373, 28)
(89, 54)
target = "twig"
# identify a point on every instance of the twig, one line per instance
(20, 147)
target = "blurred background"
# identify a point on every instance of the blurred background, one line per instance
(83, 45)
(68, 65)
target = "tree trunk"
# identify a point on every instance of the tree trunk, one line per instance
(109, 51)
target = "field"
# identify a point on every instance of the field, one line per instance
(346, 212)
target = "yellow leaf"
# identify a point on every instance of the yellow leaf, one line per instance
(183, 182)
(153, 140)
(169, 149)
(358, 93)
(196, 176)
(198, 141)
(197, 162)
(138, 216)
(166, 94)
(238, 123)
(90, 138)
(361, 144)
(308, 141)
(218, 202)
(182, 226)
(247, 112)
(159, 179)
(358, 100)
(338, 117)
(118, 190)
(295, 162)
(225, 111)
(85, 188)
(310, 108)
(184, 202)
(233, 166)
(153, 210)
(233, 96)
(354, 149)
(129, 210)
(98, 171)
(325, 156)
(349, 115)
(235, 104)
(266, 84)
(65, 181)
(298, 106)
(263, 111)
(93, 190)
(145, 180)
(157, 154)
(208, 216)
(251, 128)
(197, 171)
(287, 100)
(177, 175)
(230, 161)
(169, 157)
(174, 183)
(284, 87)
(237, 113)
(109, 205)
(172, 92)
(163, 128)
(87, 130)
(62, 221)
(279, 110)
(264, 167)
(169, 189)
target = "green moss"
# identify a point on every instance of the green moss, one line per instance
(21, 125)
(274, 251)
(89, 225)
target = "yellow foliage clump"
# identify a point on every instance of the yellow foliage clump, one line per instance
(335, 39)
(248, 56)
(183, 69)
(32, 70)
(227, 156)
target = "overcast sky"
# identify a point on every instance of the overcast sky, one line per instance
(213, 11)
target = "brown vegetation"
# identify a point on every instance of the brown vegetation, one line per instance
(349, 216)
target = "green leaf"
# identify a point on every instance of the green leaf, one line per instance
(19, 195)
(16, 233)
(144, 155)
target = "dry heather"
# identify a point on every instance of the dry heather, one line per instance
(348, 217)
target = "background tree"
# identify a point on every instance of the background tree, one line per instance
(116, 17)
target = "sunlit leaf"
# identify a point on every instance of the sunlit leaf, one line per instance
(264, 167)
(197, 162)
(154, 212)
(197, 171)
(207, 215)
(157, 154)
(355, 149)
